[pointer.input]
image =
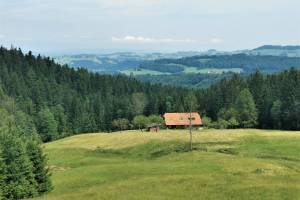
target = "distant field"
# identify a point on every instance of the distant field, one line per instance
(225, 164)
(187, 70)
(142, 72)
(211, 70)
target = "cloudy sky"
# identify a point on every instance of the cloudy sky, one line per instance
(61, 26)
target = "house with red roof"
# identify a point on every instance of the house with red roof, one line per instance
(177, 120)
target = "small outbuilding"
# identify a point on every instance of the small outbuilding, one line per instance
(182, 120)
(154, 127)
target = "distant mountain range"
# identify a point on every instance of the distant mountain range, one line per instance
(278, 47)
(274, 50)
(181, 67)
(116, 62)
(122, 61)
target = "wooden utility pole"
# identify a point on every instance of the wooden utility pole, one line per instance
(191, 135)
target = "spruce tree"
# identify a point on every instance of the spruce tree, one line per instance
(46, 125)
(276, 114)
(19, 178)
(40, 170)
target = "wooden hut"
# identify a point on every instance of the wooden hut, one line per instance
(154, 127)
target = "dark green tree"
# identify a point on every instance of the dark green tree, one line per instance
(40, 170)
(61, 119)
(19, 178)
(169, 104)
(230, 115)
(276, 114)
(190, 102)
(139, 102)
(207, 122)
(245, 107)
(46, 125)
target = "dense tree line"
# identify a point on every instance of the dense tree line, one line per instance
(249, 63)
(23, 170)
(185, 80)
(162, 66)
(276, 100)
(62, 101)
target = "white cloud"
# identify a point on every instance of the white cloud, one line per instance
(141, 39)
(216, 40)
(2, 36)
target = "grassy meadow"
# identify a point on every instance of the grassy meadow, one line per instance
(225, 164)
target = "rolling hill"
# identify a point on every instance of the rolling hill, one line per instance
(225, 164)
(188, 69)
(224, 63)
(128, 62)
(275, 50)
(115, 62)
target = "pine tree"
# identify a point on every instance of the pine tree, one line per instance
(61, 119)
(139, 102)
(190, 102)
(276, 114)
(19, 180)
(40, 170)
(46, 125)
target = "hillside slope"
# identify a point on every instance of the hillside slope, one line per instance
(230, 164)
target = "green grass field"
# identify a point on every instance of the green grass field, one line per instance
(225, 164)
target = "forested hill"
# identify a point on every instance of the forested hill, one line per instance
(246, 63)
(62, 101)
(278, 47)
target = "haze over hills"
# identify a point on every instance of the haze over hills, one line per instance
(192, 68)
(119, 61)
(276, 50)
(116, 62)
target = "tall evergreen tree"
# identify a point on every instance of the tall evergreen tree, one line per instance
(46, 125)
(40, 170)
(276, 114)
(19, 177)
(190, 102)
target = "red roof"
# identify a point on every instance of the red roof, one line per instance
(182, 119)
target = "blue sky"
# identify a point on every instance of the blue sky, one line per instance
(62, 26)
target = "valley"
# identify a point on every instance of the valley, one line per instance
(175, 68)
